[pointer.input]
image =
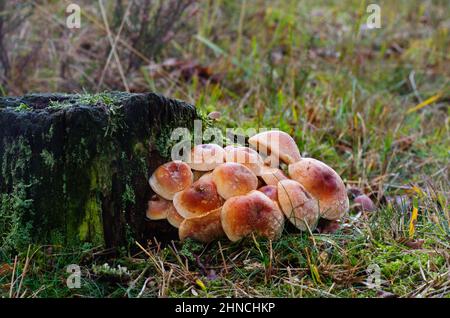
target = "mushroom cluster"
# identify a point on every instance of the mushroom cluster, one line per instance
(237, 191)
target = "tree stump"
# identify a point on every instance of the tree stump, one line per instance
(75, 168)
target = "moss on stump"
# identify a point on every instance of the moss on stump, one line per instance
(74, 168)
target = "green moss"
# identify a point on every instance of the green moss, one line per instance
(48, 158)
(128, 197)
(14, 231)
(100, 99)
(23, 108)
(15, 207)
(91, 227)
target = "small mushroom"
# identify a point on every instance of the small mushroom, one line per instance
(206, 157)
(246, 156)
(324, 184)
(276, 143)
(251, 213)
(272, 176)
(298, 205)
(173, 217)
(199, 198)
(204, 228)
(270, 191)
(364, 203)
(170, 178)
(234, 179)
(157, 208)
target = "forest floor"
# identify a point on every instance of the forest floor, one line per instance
(372, 103)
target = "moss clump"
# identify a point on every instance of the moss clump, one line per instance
(14, 231)
(23, 108)
(49, 159)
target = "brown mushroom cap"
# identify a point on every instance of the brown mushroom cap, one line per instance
(246, 156)
(199, 198)
(270, 191)
(276, 143)
(206, 157)
(174, 217)
(233, 179)
(251, 213)
(323, 183)
(157, 208)
(170, 178)
(272, 176)
(204, 228)
(298, 205)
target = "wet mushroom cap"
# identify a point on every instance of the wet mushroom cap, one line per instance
(199, 198)
(246, 156)
(324, 184)
(301, 209)
(157, 208)
(251, 213)
(173, 217)
(276, 143)
(271, 176)
(233, 179)
(204, 228)
(170, 178)
(206, 157)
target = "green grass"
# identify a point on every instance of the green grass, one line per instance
(344, 94)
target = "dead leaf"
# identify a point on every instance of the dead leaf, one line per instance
(5, 269)
(413, 244)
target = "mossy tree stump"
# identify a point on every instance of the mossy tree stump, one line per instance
(75, 168)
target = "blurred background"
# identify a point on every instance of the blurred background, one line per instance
(366, 99)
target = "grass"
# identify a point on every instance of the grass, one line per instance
(373, 104)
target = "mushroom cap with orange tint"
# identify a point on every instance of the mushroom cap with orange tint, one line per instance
(157, 208)
(173, 217)
(206, 157)
(199, 198)
(324, 184)
(233, 179)
(170, 178)
(204, 228)
(251, 213)
(298, 205)
(276, 143)
(272, 176)
(246, 156)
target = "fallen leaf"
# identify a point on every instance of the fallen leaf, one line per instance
(5, 269)
(413, 244)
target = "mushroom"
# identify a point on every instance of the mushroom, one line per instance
(272, 176)
(206, 157)
(157, 208)
(251, 213)
(276, 143)
(323, 183)
(298, 205)
(173, 217)
(199, 198)
(270, 191)
(246, 156)
(233, 179)
(204, 228)
(170, 178)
